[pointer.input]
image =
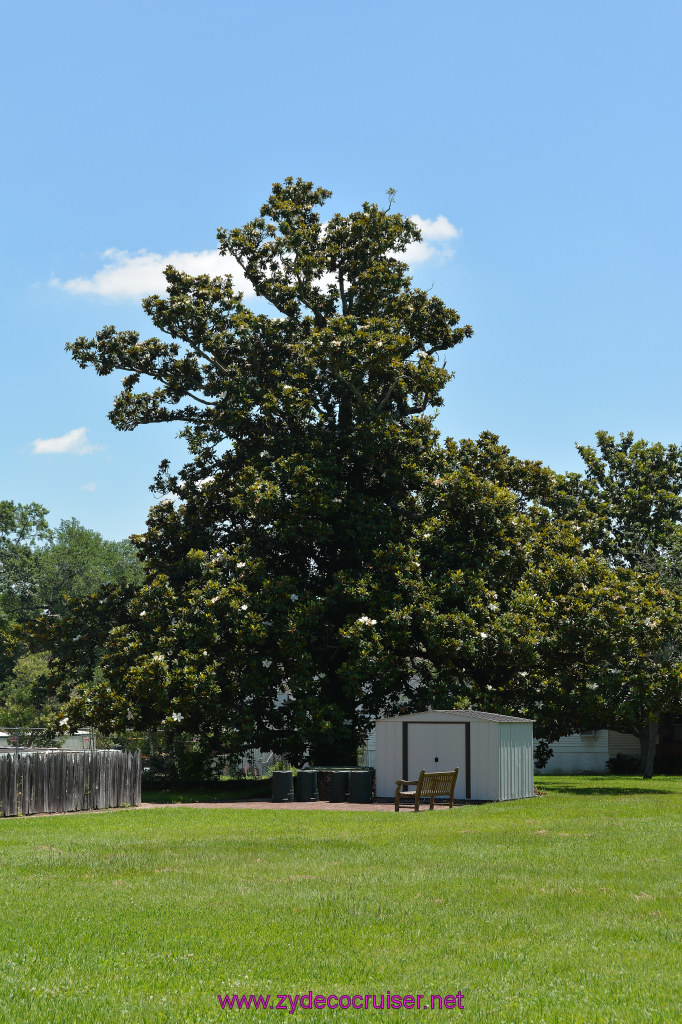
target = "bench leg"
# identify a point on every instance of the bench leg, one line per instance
(431, 803)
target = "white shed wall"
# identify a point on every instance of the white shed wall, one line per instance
(388, 757)
(484, 755)
(515, 761)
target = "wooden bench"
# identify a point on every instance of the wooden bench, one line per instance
(431, 784)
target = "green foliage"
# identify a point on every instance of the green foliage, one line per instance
(632, 492)
(41, 572)
(23, 529)
(182, 764)
(528, 615)
(27, 695)
(629, 505)
(79, 561)
(542, 755)
(624, 764)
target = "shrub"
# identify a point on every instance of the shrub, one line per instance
(181, 766)
(624, 764)
(542, 754)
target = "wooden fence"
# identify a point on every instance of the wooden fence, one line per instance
(52, 781)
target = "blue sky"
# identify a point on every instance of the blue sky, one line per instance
(546, 136)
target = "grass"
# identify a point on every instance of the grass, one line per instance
(564, 909)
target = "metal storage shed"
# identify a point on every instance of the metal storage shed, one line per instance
(494, 753)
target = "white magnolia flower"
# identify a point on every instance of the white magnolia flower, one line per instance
(266, 663)
(158, 657)
(142, 614)
(63, 721)
(214, 599)
(294, 597)
(240, 565)
(483, 635)
(130, 716)
(177, 717)
(244, 607)
(365, 619)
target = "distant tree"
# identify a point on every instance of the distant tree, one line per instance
(79, 561)
(23, 530)
(504, 571)
(631, 492)
(41, 571)
(27, 695)
(628, 504)
(529, 616)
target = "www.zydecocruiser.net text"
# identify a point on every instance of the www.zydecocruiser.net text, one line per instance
(388, 1001)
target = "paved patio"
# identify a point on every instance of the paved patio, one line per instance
(312, 805)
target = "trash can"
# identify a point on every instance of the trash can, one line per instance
(282, 787)
(339, 787)
(306, 785)
(361, 787)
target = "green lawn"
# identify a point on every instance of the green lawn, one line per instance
(565, 908)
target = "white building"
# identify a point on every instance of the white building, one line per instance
(588, 752)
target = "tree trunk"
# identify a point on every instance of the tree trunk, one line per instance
(648, 739)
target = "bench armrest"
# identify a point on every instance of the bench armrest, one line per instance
(398, 787)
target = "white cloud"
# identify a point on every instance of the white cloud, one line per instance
(73, 443)
(438, 230)
(435, 236)
(88, 487)
(127, 275)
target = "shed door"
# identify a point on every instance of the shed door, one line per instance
(437, 747)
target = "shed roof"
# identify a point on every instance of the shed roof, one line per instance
(462, 716)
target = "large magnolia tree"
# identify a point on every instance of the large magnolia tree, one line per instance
(282, 574)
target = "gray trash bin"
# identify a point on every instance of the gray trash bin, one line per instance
(360, 787)
(339, 787)
(306, 785)
(282, 787)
